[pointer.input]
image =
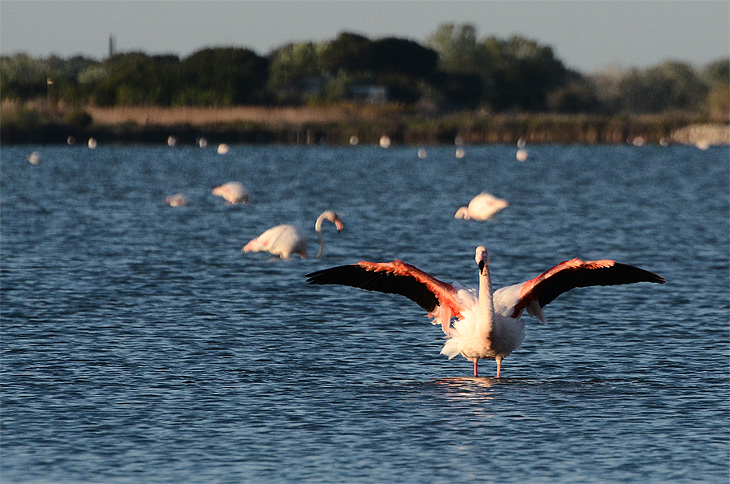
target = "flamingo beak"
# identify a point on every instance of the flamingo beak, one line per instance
(481, 266)
(339, 225)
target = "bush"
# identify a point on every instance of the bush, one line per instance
(78, 118)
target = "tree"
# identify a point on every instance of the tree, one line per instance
(392, 55)
(718, 72)
(668, 86)
(522, 73)
(457, 48)
(577, 95)
(293, 63)
(516, 73)
(606, 86)
(22, 77)
(457, 90)
(137, 79)
(352, 53)
(224, 76)
(395, 63)
(717, 75)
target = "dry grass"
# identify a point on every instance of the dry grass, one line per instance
(200, 116)
(42, 122)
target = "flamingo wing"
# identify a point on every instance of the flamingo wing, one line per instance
(538, 292)
(436, 297)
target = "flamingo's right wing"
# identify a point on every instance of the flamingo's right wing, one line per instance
(436, 297)
(538, 292)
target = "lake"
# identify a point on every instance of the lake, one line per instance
(139, 344)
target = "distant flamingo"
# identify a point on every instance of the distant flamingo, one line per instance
(285, 240)
(482, 207)
(232, 192)
(521, 154)
(488, 324)
(176, 200)
(34, 158)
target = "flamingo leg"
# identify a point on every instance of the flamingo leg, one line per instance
(476, 360)
(499, 366)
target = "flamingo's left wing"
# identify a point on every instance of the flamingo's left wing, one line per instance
(396, 277)
(536, 293)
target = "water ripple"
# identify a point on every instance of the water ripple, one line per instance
(140, 345)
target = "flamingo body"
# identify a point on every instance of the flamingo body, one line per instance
(176, 200)
(232, 192)
(488, 324)
(282, 240)
(285, 240)
(482, 207)
(34, 158)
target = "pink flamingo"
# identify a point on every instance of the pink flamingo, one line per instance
(285, 240)
(488, 324)
(176, 200)
(233, 192)
(482, 207)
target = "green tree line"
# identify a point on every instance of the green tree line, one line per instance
(454, 69)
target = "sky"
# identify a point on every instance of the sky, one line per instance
(587, 35)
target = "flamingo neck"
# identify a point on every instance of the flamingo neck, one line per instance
(326, 215)
(321, 242)
(485, 320)
(318, 223)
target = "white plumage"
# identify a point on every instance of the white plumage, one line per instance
(482, 207)
(232, 192)
(488, 324)
(285, 240)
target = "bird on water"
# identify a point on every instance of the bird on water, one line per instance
(285, 240)
(482, 207)
(232, 192)
(487, 323)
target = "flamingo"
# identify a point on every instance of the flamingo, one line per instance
(488, 324)
(176, 200)
(285, 240)
(482, 207)
(233, 192)
(34, 158)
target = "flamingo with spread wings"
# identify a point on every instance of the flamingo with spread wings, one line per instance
(488, 324)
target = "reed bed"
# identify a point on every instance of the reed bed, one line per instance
(338, 124)
(203, 116)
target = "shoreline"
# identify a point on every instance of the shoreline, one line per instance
(341, 124)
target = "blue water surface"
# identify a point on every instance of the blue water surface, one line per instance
(139, 344)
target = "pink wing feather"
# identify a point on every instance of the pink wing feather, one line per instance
(577, 273)
(397, 277)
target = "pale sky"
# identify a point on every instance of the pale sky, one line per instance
(587, 35)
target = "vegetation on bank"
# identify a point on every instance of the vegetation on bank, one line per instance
(339, 124)
(485, 90)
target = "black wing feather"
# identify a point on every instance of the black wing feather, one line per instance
(616, 274)
(357, 276)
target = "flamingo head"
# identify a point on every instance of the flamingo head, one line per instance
(332, 216)
(482, 258)
(462, 213)
(338, 222)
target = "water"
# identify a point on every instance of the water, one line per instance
(140, 345)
